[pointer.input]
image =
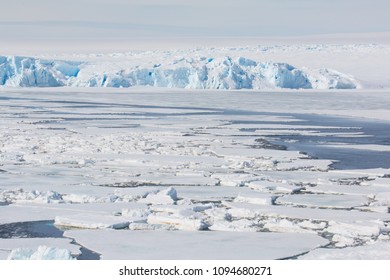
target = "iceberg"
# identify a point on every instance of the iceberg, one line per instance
(193, 73)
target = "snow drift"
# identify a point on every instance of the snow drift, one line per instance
(192, 73)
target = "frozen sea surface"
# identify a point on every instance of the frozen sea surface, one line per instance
(307, 171)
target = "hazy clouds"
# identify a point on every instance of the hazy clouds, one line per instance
(142, 18)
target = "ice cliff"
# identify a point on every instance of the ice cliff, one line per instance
(192, 73)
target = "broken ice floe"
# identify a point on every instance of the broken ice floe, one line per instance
(184, 220)
(255, 198)
(275, 187)
(167, 196)
(353, 233)
(91, 221)
(35, 196)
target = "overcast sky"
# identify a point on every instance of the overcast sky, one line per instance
(135, 18)
(117, 25)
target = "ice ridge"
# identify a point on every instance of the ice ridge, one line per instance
(193, 73)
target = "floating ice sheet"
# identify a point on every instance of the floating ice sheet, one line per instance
(195, 245)
(91, 221)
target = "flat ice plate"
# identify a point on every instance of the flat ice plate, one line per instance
(206, 245)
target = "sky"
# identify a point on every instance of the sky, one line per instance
(78, 20)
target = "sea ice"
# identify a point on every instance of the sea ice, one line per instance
(206, 245)
(165, 166)
(91, 221)
(376, 251)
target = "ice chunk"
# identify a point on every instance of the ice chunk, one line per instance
(218, 214)
(284, 225)
(35, 196)
(135, 213)
(366, 229)
(275, 187)
(174, 209)
(167, 196)
(182, 220)
(91, 221)
(41, 253)
(233, 180)
(242, 225)
(308, 164)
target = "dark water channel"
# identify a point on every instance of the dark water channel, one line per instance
(372, 132)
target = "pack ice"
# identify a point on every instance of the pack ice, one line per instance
(223, 72)
(136, 174)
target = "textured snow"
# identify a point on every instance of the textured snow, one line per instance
(191, 72)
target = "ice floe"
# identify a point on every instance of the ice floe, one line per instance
(186, 245)
(91, 221)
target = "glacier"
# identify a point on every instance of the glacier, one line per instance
(193, 73)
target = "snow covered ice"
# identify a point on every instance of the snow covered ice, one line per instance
(156, 171)
(187, 72)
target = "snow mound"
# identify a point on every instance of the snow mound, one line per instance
(193, 73)
(42, 253)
